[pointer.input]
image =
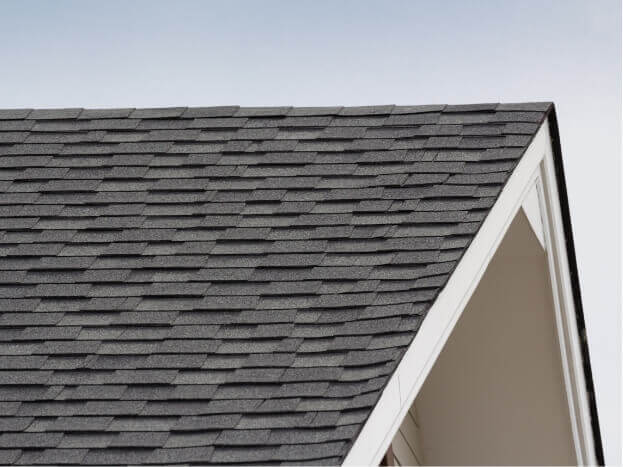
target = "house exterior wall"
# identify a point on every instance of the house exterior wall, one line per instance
(496, 394)
(406, 444)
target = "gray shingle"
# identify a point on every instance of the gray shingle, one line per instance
(112, 407)
(519, 116)
(262, 111)
(53, 114)
(8, 456)
(24, 377)
(310, 374)
(366, 357)
(142, 424)
(220, 111)
(55, 456)
(413, 119)
(236, 455)
(8, 424)
(377, 326)
(231, 406)
(117, 456)
(86, 440)
(29, 440)
(80, 423)
(471, 107)
(182, 454)
(310, 451)
(188, 439)
(414, 109)
(264, 421)
(14, 114)
(310, 111)
(243, 437)
(158, 113)
(104, 113)
(139, 439)
(225, 284)
(466, 117)
(203, 422)
(527, 106)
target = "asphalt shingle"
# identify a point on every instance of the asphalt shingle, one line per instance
(227, 285)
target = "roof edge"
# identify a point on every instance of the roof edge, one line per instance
(553, 139)
(575, 279)
(234, 110)
(447, 307)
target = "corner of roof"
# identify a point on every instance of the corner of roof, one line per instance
(561, 181)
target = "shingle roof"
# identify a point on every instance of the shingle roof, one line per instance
(226, 284)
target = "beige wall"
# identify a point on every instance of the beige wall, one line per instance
(406, 444)
(495, 395)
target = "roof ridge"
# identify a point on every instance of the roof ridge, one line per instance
(256, 111)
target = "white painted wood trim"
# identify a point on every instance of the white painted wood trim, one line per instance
(405, 383)
(564, 305)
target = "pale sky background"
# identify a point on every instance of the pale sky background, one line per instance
(198, 53)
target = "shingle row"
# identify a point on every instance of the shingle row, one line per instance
(227, 285)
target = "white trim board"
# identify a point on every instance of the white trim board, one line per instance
(535, 168)
(564, 304)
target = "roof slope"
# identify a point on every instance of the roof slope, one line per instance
(227, 285)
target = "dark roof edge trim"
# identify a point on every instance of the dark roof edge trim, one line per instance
(575, 281)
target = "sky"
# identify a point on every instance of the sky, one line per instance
(140, 53)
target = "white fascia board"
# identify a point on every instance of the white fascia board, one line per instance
(403, 386)
(564, 306)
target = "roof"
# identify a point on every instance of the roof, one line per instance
(227, 284)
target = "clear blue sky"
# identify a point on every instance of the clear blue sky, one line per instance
(157, 53)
